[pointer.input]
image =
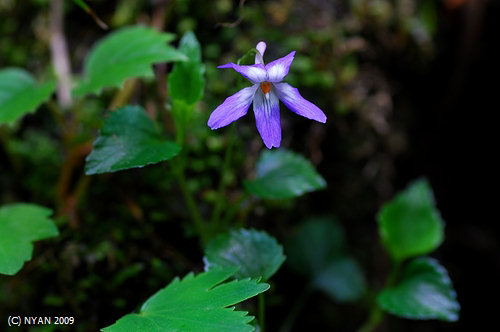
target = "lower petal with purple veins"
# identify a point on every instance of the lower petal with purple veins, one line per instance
(233, 108)
(267, 117)
(292, 99)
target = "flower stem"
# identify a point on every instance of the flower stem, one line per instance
(199, 224)
(178, 167)
(233, 209)
(220, 191)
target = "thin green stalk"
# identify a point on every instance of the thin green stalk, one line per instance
(220, 191)
(192, 208)
(297, 307)
(376, 314)
(178, 166)
(262, 312)
(233, 209)
(374, 320)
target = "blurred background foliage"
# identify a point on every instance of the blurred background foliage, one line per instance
(394, 78)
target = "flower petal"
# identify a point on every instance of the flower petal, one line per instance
(261, 47)
(255, 73)
(233, 108)
(278, 69)
(291, 97)
(267, 117)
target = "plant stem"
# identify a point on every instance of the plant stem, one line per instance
(178, 167)
(376, 317)
(376, 314)
(262, 312)
(233, 209)
(122, 96)
(297, 307)
(220, 191)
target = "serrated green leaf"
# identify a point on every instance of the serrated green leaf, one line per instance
(195, 303)
(126, 53)
(410, 225)
(424, 292)
(256, 254)
(283, 174)
(186, 81)
(128, 139)
(317, 252)
(20, 225)
(20, 94)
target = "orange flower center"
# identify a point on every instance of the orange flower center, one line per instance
(265, 87)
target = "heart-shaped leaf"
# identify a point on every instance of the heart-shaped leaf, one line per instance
(256, 254)
(195, 303)
(20, 94)
(128, 139)
(20, 225)
(424, 292)
(283, 174)
(410, 225)
(125, 53)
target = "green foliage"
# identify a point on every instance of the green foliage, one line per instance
(410, 225)
(256, 254)
(19, 94)
(424, 292)
(128, 139)
(20, 225)
(186, 81)
(316, 251)
(342, 279)
(195, 303)
(315, 243)
(283, 174)
(126, 53)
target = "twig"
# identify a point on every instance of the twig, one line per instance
(59, 50)
(238, 21)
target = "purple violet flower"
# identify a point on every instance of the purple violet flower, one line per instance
(265, 94)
